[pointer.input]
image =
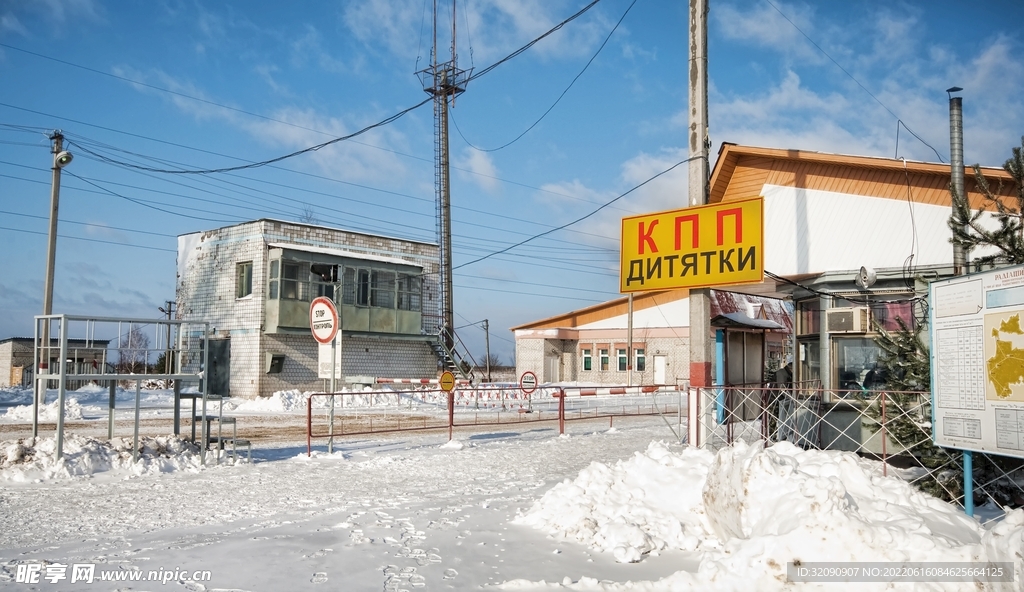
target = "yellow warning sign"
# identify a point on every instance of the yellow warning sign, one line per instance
(698, 247)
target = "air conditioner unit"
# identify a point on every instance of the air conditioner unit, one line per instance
(856, 319)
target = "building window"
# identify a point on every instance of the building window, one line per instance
(641, 360)
(621, 355)
(383, 286)
(409, 296)
(275, 269)
(604, 360)
(243, 279)
(588, 363)
(808, 317)
(291, 287)
(857, 368)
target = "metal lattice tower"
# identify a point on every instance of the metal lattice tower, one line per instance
(444, 81)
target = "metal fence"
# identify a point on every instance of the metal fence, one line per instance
(335, 415)
(890, 426)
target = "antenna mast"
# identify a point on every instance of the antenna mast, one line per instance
(444, 81)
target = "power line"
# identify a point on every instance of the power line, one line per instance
(91, 240)
(545, 114)
(580, 219)
(853, 78)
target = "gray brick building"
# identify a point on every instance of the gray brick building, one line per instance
(253, 282)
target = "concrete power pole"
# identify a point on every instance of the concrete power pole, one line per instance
(701, 346)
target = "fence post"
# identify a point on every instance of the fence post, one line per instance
(451, 413)
(969, 483)
(561, 411)
(885, 464)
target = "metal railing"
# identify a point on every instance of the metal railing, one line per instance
(376, 412)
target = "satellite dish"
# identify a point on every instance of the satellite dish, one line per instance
(865, 278)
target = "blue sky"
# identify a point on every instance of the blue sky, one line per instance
(206, 85)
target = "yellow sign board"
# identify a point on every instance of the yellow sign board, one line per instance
(698, 247)
(447, 381)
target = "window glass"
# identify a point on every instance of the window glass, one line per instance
(604, 359)
(383, 286)
(289, 281)
(621, 355)
(348, 286)
(363, 287)
(641, 360)
(856, 364)
(243, 279)
(808, 360)
(808, 317)
(274, 269)
(409, 297)
(588, 363)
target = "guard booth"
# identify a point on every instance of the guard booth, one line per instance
(741, 351)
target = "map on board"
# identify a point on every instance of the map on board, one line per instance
(1004, 357)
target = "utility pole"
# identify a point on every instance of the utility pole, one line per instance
(169, 311)
(487, 348)
(61, 158)
(701, 346)
(444, 81)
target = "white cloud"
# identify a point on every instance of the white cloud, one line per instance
(763, 26)
(479, 169)
(353, 160)
(491, 28)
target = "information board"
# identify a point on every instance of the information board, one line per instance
(977, 352)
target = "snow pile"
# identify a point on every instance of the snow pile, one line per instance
(31, 459)
(47, 412)
(749, 511)
(279, 402)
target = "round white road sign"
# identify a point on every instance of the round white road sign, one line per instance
(528, 382)
(323, 319)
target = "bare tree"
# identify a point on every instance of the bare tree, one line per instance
(494, 359)
(133, 351)
(308, 215)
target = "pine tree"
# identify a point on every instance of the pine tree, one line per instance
(1008, 238)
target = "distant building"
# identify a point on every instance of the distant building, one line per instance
(16, 353)
(253, 282)
(591, 345)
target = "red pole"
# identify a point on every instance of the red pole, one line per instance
(309, 426)
(451, 413)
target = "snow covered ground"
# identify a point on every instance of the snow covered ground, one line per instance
(510, 508)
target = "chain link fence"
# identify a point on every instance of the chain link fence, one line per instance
(892, 427)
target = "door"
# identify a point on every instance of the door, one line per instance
(551, 369)
(660, 367)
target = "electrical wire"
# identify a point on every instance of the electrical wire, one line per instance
(91, 240)
(580, 219)
(545, 114)
(853, 78)
(261, 163)
(315, 147)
